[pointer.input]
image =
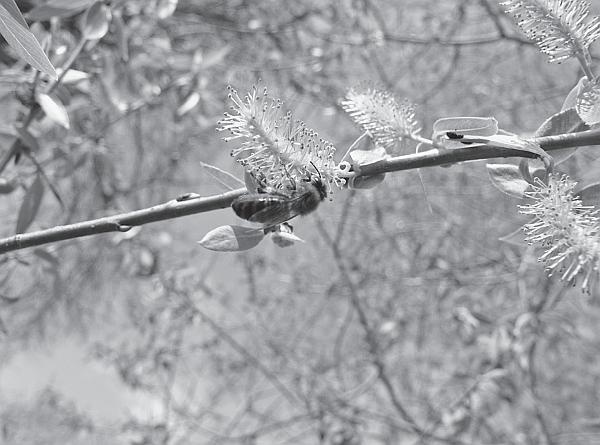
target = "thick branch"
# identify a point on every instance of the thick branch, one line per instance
(177, 208)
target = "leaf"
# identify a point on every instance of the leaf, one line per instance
(24, 43)
(165, 8)
(251, 182)
(516, 143)
(588, 103)
(73, 76)
(473, 126)
(285, 239)
(215, 57)
(28, 140)
(54, 109)
(224, 178)
(13, 10)
(7, 186)
(31, 204)
(47, 256)
(188, 104)
(508, 179)
(58, 8)
(232, 238)
(571, 99)
(121, 35)
(364, 157)
(366, 182)
(566, 121)
(96, 21)
(590, 194)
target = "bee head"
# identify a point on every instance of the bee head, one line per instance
(320, 186)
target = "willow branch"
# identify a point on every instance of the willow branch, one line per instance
(183, 207)
(121, 223)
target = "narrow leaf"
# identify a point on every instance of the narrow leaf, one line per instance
(13, 9)
(73, 76)
(54, 109)
(188, 104)
(516, 143)
(24, 43)
(508, 179)
(224, 178)
(232, 238)
(31, 204)
(58, 8)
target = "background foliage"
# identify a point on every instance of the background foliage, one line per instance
(394, 323)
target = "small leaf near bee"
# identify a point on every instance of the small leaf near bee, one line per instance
(232, 238)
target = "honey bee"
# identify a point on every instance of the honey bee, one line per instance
(272, 208)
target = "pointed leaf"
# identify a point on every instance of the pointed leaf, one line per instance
(224, 178)
(31, 204)
(96, 21)
(567, 121)
(73, 76)
(54, 109)
(188, 104)
(590, 195)
(24, 43)
(508, 179)
(58, 8)
(516, 143)
(13, 9)
(285, 239)
(232, 238)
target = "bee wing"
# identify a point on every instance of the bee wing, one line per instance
(265, 209)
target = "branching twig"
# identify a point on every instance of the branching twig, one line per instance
(370, 336)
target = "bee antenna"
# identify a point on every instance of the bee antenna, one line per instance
(316, 169)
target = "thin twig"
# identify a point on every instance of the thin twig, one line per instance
(370, 336)
(119, 223)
